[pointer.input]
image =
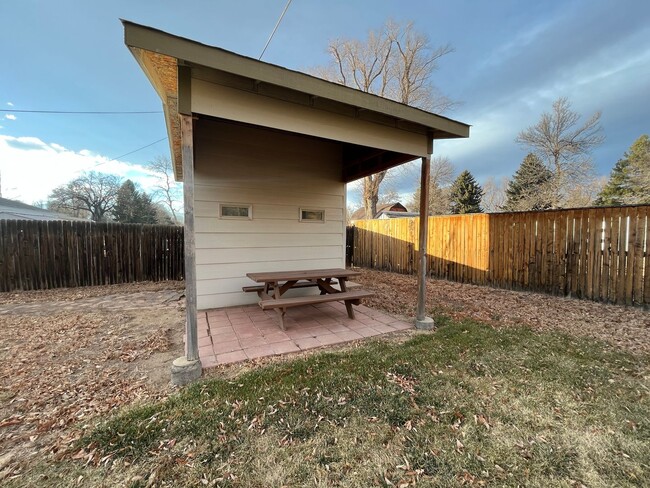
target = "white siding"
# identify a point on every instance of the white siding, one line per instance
(277, 173)
(233, 104)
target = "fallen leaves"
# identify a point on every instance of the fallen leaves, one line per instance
(627, 327)
(67, 367)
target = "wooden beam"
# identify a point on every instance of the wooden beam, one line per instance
(184, 90)
(187, 150)
(375, 164)
(424, 228)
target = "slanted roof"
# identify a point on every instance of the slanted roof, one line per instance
(15, 210)
(170, 62)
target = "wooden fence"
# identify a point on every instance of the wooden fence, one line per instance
(594, 253)
(36, 254)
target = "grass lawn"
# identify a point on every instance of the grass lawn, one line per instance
(467, 405)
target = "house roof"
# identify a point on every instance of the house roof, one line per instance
(15, 210)
(360, 213)
(169, 62)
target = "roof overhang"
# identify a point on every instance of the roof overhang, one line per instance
(171, 62)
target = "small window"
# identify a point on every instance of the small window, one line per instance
(310, 215)
(235, 211)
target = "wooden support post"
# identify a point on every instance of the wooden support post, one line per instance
(188, 368)
(192, 344)
(422, 321)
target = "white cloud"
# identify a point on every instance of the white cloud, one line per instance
(10, 104)
(32, 168)
(10, 117)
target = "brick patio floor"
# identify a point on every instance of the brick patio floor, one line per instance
(229, 335)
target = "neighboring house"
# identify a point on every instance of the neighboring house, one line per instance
(386, 211)
(264, 154)
(387, 214)
(14, 210)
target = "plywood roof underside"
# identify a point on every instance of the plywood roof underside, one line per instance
(162, 71)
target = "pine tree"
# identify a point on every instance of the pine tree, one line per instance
(639, 158)
(617, 191)
(132, 206)
(531, 186)
(466, 194)
(629, 181)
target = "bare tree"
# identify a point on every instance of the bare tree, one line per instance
(494, 194)
(584, 193)
(396, 62)
(91, 194)
(441, 177)
(167, 191)
(564, 145)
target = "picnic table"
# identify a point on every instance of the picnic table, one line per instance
(276, 283)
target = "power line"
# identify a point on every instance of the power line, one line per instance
(286, 7)
(131, 152)
(81, 112)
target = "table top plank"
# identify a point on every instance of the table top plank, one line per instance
(308, 274)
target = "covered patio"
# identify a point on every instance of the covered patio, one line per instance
(265, 154)
(233, 334)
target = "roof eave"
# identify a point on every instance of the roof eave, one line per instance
(186, 50)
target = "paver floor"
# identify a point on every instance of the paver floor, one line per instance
(235, 334)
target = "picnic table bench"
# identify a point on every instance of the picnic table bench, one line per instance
(276, 283)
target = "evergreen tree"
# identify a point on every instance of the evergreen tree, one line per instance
(639, 158)
(629, 181)
(531, 186)
(466, 194)
(617, 191)
(132, 206)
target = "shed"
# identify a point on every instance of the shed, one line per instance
(265, 154)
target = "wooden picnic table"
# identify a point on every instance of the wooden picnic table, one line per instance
(276, 283)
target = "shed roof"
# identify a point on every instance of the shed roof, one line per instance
(161, 54)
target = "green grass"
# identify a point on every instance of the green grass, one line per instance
(467, 405)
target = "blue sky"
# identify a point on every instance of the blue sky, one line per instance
(512, 59)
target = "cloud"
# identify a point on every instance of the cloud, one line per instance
(31, 168)
(10, 104)
(10, 117)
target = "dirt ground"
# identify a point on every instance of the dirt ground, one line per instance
(70, 355)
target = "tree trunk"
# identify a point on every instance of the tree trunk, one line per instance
(371, 193)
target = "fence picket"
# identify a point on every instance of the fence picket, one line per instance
(53, 254)
(597, 253)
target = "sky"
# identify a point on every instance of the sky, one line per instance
(511, 60)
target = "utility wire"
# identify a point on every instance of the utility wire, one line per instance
(131, 152)
(286, 7)
(79, 112)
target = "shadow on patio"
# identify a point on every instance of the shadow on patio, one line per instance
(229, 335)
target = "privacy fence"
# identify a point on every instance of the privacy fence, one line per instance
(594, 253)
(51, 254)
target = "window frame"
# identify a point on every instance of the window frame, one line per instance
(315, 210)
(248, 206)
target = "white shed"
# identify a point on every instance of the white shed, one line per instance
(265, 154)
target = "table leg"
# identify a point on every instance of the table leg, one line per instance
(277, 293)
(348, 303)
(281, 312)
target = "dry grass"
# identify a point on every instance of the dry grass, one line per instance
(467, 406)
